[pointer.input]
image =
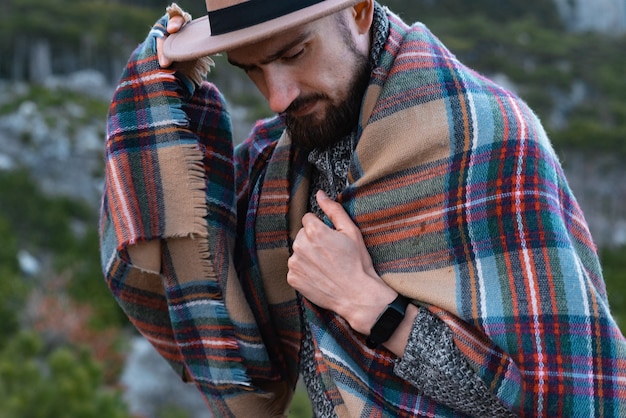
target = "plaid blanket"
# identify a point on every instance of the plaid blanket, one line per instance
(463, 207)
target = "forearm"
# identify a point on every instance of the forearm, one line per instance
(432, 363)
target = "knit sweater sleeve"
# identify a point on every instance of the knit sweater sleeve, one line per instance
(433, 364)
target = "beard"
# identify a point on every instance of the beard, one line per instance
(319, 132)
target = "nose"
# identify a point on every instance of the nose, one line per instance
(280, 90)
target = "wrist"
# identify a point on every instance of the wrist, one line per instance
(362, 316)
(399, 340)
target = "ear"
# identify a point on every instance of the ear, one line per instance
(363, 14)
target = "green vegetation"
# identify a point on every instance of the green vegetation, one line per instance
(64, 382)
(49, 228)
(91, 32)
(301, 405)
(13, 290)
(42, 223)
(58, 356)
(613, 263)
(545, 63)
(54, 99)
(494, 10)
(48, 370)
(525, 41)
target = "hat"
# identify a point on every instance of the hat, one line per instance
(234, 23)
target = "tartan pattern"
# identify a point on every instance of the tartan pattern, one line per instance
(462, 204)
(170, 180)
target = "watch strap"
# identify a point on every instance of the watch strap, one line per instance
(387, 322)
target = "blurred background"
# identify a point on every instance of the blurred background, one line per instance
(65, 348)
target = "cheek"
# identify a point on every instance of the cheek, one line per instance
(342, 84)
(333, 79)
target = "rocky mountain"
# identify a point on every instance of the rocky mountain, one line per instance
(604, 16)
(53, 127)
(59, 143)
(62, 142)
(34, 52)
(62, 148)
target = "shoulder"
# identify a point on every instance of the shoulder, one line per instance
(253, 153)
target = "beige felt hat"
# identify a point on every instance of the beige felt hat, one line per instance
(231, 24)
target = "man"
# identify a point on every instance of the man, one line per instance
(401, 234)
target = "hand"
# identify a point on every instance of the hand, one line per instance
(173, 25)
(195, 70)
(332, 268)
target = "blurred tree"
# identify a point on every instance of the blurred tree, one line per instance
(24, 224)
(13, 293)
(13, 289)
(495, 10)
(615, 278)
(523, 40)
(63, 383)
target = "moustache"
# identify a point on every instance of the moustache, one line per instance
(304, 101)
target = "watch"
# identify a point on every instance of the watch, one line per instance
(387, 322)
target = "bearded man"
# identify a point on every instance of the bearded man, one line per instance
(400, 234)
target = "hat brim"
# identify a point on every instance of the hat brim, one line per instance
(194, 40)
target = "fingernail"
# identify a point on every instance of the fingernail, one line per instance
(322, 195)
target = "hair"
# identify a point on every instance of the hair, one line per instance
(344, 29)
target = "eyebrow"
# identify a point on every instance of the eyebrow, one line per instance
(276, 55)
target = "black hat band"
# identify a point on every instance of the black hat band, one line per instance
(253, 12)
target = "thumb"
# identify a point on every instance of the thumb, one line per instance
(335, 212)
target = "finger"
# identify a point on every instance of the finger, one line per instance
(335, 212)
(175, 23)
(309, 220)
(298, 242)
(164, 62)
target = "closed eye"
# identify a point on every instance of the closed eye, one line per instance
(292, 51)
(293, 56)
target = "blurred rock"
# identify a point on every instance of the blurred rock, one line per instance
(28, 263)
(604, 16)
(60, 145)
(151, 385)
(90, 82)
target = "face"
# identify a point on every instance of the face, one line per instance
(314, 76)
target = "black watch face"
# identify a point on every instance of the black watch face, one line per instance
(384, 327)
(388, 323)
